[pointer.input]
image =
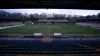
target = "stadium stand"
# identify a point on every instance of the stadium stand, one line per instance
(16, 48)
(37, 45)
(10, 21)
(39, 48)
(9, 24)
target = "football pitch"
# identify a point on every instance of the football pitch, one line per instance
(50, 29)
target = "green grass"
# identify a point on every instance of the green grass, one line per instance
(52, 28)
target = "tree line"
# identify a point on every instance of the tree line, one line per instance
(35, 17)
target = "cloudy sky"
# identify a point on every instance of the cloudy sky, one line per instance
(58, 11)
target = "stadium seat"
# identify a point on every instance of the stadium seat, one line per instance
(38, 45)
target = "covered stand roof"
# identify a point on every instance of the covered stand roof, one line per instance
(60, 4)
(52, 21)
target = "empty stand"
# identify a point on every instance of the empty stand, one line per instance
(37, 46)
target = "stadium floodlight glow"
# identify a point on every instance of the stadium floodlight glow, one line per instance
(37, 34)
